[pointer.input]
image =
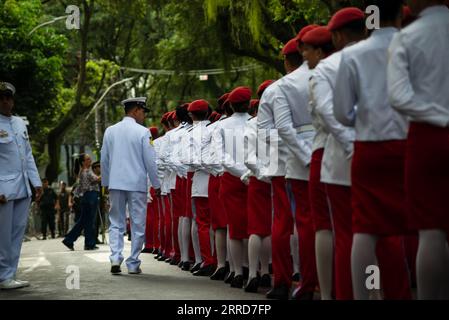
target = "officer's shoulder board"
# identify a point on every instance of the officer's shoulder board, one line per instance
(223, 119)
(251, 118)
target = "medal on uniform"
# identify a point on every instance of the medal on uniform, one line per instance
(3, 134)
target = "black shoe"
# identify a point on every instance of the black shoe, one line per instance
(219, 274)
(186, 266)
(299, 295)
(237, 282)
(53, 236)
(279, 293)
(296, 277)
(116, 270)
(168, 260)
(91, 248)
(162, 258)
(206, 271)
(174, 262)
(245, 273)
(68, 245)
(196, 267)
(146, 250)
(252, 285)
(180, 264)
(229, 277)
(155, 251)
(270, 268)
(265, 281)
(158, 256)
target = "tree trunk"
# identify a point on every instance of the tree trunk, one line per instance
(56, 135)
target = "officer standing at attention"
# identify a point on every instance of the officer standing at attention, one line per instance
(17, 167)
(127, 153)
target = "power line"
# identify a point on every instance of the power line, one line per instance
(192, 72)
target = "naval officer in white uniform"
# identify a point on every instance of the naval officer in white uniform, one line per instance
(17, 168)
(127, 159)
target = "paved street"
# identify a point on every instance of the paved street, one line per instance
(44, 264)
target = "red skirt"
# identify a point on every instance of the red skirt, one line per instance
(178, 197)
(378, 196)
(188, 196)
(317, 194)
(234, 196)
(217, 212)
(259, 208)
(427, 177)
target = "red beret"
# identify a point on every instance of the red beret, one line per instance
(254, 103)
(263, 86)
(240, 94)
(290, 47)
(154, 132)
(222, 99)
(172, 116)
(345, 16)
(213, 116)
(407, 16)
(217, 116)
(304, 30)
(198, 106)
(165, 116)
(318, 37)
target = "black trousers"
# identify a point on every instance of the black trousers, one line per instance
(48, 219)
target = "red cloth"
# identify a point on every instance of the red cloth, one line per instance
(306, 236)
(168, 226)
(395, 274)
(259, 208)
(161, 224)
(234, 198)
(263, 86)
(378, 197)
(281, 231)
(317, 37)
(317, 194)
(340, 203)
(304, 31)
(217, 212)
(203, 222)
(178, 209)
(149, 227)
(427, 177)
(188, 196)
(290, 47)
(240, 94)
(345, 16)
(198, 106)
(155, 225)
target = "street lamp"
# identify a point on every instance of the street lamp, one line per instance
(47, 23)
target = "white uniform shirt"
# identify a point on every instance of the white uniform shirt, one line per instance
(418, 72)
(210, 158)
(266, 123)
(17, 164)
(230, 143)
(293, 121)
(197, 141)
(336, 163)
(127, 157)
(362, 81)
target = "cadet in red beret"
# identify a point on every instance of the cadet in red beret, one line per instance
(231, 185)
(303, 32)
(254, 104)
(262, 87)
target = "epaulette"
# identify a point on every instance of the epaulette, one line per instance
(251, 118)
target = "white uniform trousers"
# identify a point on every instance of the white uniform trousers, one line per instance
(13, 222)
(137, 206)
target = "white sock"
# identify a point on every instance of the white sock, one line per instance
(237, 255)
(254, 249)
(245, 260)
(180, 237)
(196, 243)
(228, 252)
(220, 244)
(294, 251)
(432, 265)
(265, 255)
(186, 238)
(363, 255)
(324, 251)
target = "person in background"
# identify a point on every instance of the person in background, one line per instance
(63, 210)
(47, 206)
(100, 216)
(89, 190)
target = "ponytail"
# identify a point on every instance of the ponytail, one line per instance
(78, 164)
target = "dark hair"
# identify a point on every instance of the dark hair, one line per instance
(130, 108)
(44, 180)
(295, 59)
(241, 106)
(328, 48)
(96, 164)
(200, 115)
(356, 28)
(182, 114)
(79, 163)
(389, 10)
